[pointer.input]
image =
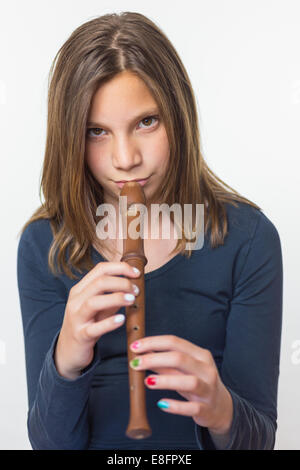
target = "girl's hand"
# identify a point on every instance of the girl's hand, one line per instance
(190, 371)
(89, 314)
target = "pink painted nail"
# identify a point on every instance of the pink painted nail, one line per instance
(136, 345)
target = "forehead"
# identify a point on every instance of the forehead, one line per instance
(124, 92)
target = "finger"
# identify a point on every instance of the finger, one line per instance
(171, 371)
(108, 312)
(95, 305)
(107, 284)
(171, 343)
(166, 371)
(109, 268)
(184, 408)
(178, 360)
(95, 330)
(185, 383)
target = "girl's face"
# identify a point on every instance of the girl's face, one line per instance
(126, 139)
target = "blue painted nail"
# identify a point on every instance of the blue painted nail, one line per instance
(163, 404)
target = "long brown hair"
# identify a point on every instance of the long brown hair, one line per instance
(94, 53)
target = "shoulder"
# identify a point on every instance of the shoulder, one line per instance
(246, 222)
(35, 241)
(255, 242)
(36, 230)
(33, 270)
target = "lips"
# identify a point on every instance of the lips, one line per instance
(141, 182)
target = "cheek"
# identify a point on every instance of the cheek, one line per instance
(92, 159)
(164, 151)
(158, 151)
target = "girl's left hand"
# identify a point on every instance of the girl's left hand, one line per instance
(191, 371)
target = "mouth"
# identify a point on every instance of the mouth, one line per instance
(142, 182)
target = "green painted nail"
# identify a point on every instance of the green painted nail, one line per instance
(135, 362)
(163, 404)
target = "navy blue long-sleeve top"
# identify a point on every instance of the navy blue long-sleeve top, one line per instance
(226, 299)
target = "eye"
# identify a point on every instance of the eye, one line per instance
(148, 118)
(92, 129)
(95, 132)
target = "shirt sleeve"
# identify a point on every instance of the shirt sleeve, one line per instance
(57, 407)
(250, 367)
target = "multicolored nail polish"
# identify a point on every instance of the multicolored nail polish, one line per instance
(135, 362)
(163, 404)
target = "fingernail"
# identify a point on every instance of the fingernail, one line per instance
(136, 270)
(163, 404)
(135, 362)
(129, 297)
(136, 345)
(151, 381)
(119, 318)
(136, 289)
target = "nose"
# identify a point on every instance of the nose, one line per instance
(126, 154)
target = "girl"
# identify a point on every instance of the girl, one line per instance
(120, 108)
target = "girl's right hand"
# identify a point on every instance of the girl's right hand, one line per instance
(89, 314)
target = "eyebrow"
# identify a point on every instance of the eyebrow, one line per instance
(136, 118)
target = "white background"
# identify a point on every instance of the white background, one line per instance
(243, 60)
